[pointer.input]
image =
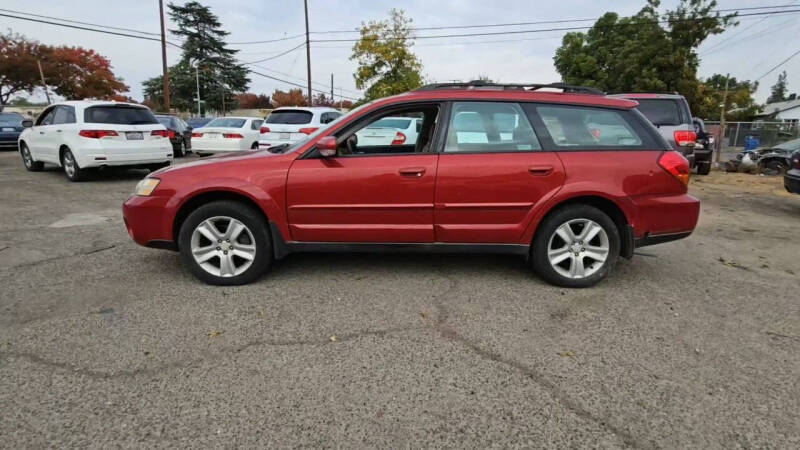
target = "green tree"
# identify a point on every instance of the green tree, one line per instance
(648, 52)
(739, 104)
(206, 54)
(386, 64)
(779, 90)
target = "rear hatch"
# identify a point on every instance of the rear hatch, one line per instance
(288, 125)
(123, 129)
(668, 115)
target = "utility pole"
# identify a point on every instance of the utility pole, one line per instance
(197, 73)
(165, 75)
(722, 119)
(44, 85)
(331, 88)
(308, 54)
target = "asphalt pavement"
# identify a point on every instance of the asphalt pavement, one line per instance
(692, 344)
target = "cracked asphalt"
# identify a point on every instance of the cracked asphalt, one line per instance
(692, 344)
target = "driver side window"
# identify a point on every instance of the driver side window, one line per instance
(402, 131)
(47, 117)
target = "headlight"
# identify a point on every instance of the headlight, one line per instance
(146, 186)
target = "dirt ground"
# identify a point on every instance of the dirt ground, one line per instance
(691, 344)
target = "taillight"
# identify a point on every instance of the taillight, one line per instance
(197, 134)
(308, 130)
(97, 134)
(171, 134)
(232, 136)
(399, 139)
(263, 130)
(162, 133)
(677, 166)
(684, 138)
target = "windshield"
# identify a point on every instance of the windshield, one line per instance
(226, 123)
(789, 145)
(660, 111)
(390, 122)
(290, 117)
(10, 119)
(299, 144)
(119, 115)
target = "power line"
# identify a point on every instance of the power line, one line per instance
(89, 29)
(78, 22)
(495, 33)
(268, 40)
(720, 43)
(778, 65)
(303, 79)
(296, 84)
(276, 56)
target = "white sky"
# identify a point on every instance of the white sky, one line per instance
(751, 49)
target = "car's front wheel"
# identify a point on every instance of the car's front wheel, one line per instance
(27, 159)
(225, 243)
(576, 246)
(179, 149)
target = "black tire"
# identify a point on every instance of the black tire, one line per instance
(773, 167)
(179, 150)
(28, 161)
(254, 146)
(154, 167)
(703, 167)
(245, 214)
(71, 168)
(544, 238)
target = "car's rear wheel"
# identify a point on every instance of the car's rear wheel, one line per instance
(773, 167)
(27, 159)
(704, 167)
(179, 149)
(576, 246)
(225, 243)
(71, 168)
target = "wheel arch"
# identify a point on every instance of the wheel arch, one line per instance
(61, 150)
(605, 204)
(202, 198)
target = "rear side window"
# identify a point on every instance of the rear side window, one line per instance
(119, 115)
(577, 128)
(256, 124)
(290, 117)
(489, 127)
(661, 112)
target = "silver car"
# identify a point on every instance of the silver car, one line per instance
(671, 115)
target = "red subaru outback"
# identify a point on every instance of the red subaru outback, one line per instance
(571, 180)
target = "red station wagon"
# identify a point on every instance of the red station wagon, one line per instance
(571, 180)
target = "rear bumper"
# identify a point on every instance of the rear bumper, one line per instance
(147, 221)
(267, 143)
(702, 155)
(791, 181)
(670, 216)
(218, 145)
(653, 239)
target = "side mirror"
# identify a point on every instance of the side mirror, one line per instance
(27, 123)
(327, 146)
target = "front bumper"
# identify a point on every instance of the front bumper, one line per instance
(791, 181)
(148, 222)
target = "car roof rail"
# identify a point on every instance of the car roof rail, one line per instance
(479, 84)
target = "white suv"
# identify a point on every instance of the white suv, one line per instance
(288, 125)
(79, 135)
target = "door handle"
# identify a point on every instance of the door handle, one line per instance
(58, 131)
(540, 171)
(412, 171)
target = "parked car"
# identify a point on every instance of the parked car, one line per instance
(180, 133)
(769, 161)
(791, 180)
(81, 135)
(555, 189)
(227, 134)
(288, 125)
(671, 115)
(197, 122)
(705, 140)
(10, 128)
(391, 131)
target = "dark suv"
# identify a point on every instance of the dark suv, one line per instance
(571, 180)
(671, 115)
(180, 133)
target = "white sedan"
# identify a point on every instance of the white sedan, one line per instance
(227, 134)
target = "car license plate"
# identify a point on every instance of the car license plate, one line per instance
(8, 129)
(212, 135)
(284, 136)
(134, 135)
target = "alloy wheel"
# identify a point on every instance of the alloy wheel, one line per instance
(578, 248)
(69, 164)
(223, 246)
(26, 157)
